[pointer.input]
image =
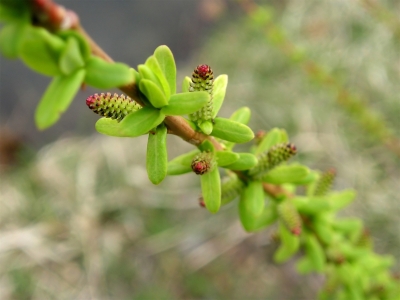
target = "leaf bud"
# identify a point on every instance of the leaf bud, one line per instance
(112, 105)
(203, 163)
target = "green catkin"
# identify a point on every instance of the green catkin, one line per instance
(272, 158)
(202, 80)
(230, 189)
(290, 217)
(325, 182)
(112, 105)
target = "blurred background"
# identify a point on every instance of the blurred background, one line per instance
(79, 218)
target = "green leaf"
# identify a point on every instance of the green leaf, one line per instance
(315, 252)
(167, 63)
(182, 163)
(339, 200)
(134, 124)
(225, 158)
(323, 229)
(207, 146)
(15, 11)
(178, 169)
(57, 98)
(211, 190)
(71, 58)
(84, 46)
(242, 115)
(186, 84)
(311, 205)
(219, 90)
(272, 138)
(106, 75)
(157, 158)
(11, 37)
(286, 174)
(40, 51)
(304, 265)
(153, 64)
(153, 93)
(253, 197)
(246, 161)
(252, 223)
(185, 103)
(206, 127)
(231, 131)
(289, 246)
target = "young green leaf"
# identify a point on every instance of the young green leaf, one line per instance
(40, 50)
(219, 90)
(242, 115)
(253, 197)
(153, 93)
(105, 75)
(206, 127)
(211, 190)
(134, 124)
(225, 158)
(290, 244)
(311, 205)
(323, 229)
(207, 146)
(186, 84)
(153, 64)
(246, 161)
(57, 98)
(185, 103)
(231, 131)
(272, 138)
(84, 46)
(71, 58)
(11, 37)
(286, 174)
(166, 61)
(157, 158)
(250, 222)
(341, 199)
(315, 252)
(182, 163)
(304, 265)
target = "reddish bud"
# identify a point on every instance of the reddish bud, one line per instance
(202, 163)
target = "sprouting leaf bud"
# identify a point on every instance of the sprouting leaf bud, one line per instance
(112, 105)
(272, 158)
(202, 80)
(290, 217)
(325, 182)
(203, 163)
(230, 189)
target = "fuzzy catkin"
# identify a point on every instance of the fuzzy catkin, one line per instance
(112, 106)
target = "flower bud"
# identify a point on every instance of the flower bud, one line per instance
(202, 80)
(203, 163)
(112, 106)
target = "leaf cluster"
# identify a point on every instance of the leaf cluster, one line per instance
(269, 189)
